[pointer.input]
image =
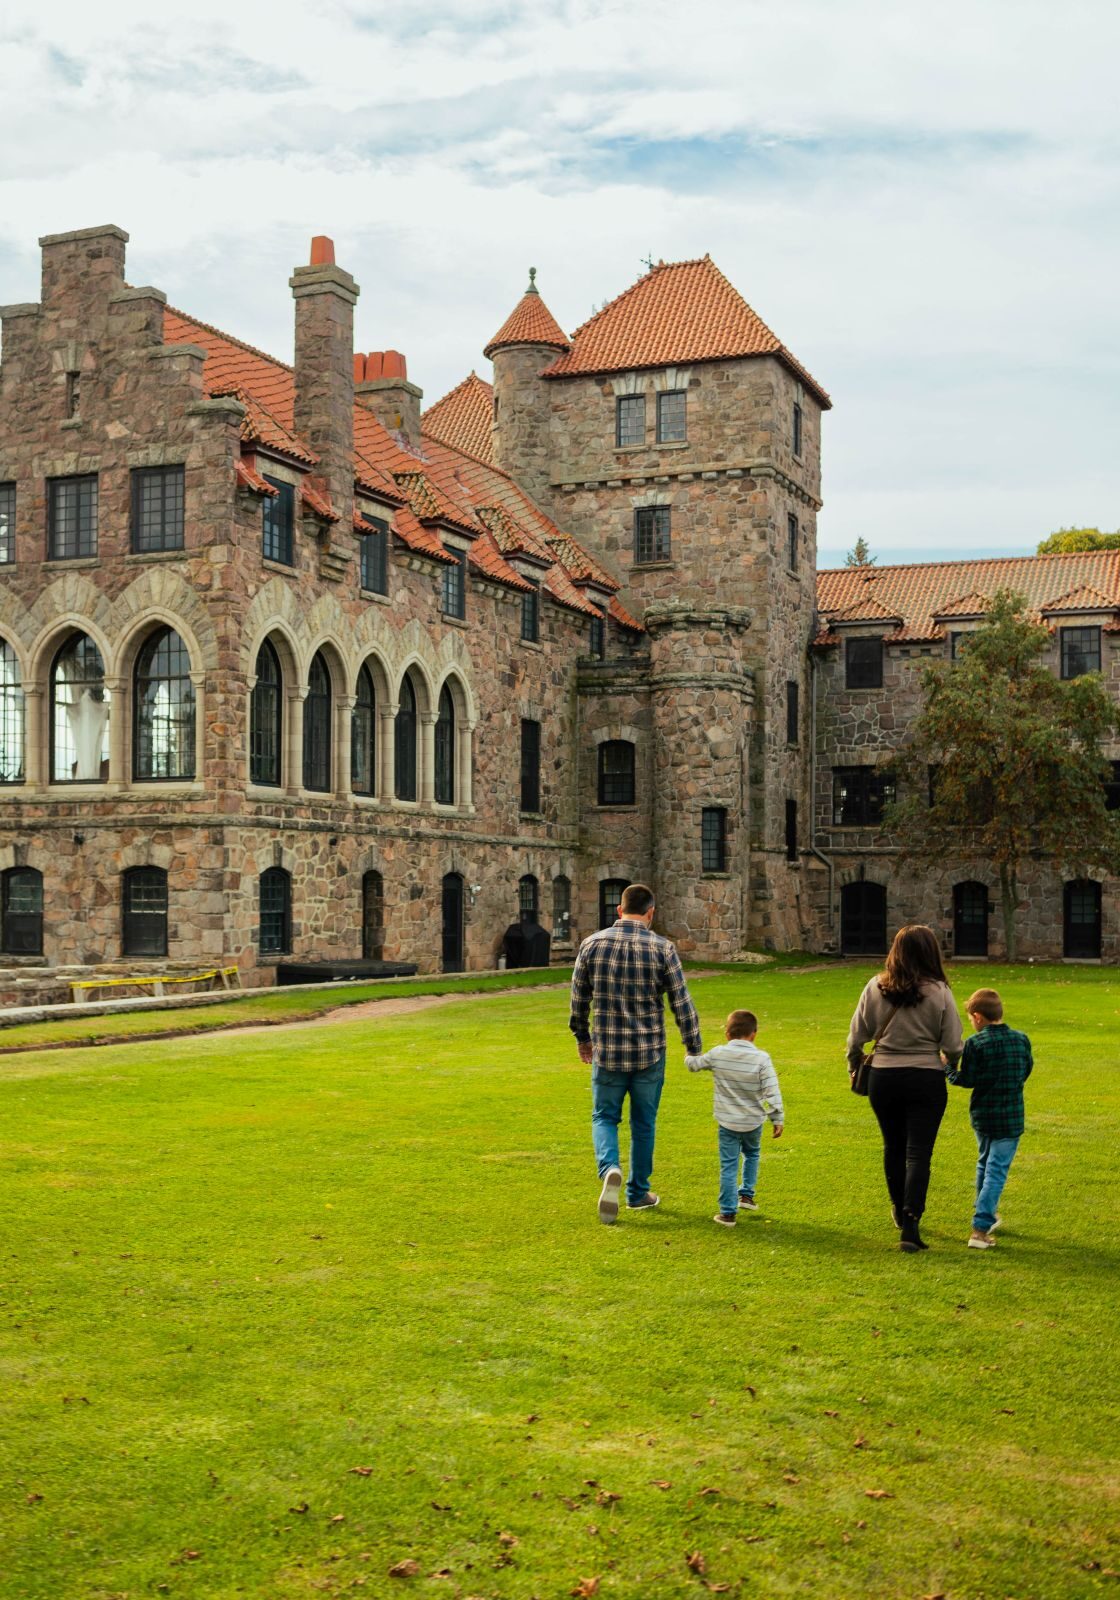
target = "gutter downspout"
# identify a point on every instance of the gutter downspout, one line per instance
(827, 860)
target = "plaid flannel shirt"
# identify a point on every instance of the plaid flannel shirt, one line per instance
(622, 974)
(995, 1065)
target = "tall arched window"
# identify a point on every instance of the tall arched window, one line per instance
(445, 749)
(266, 719)
(317, 727)
(79, 713)
(404, 738)
(11, 716)
(373, 917)
(144, 912)
(363, 736)
(163, 709)
(561, 908)
(275, 926)
(21, 912)
(529, 899)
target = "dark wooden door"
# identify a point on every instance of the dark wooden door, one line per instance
(970, 919)
(453, 923)
(863, 919)
(1082, 920)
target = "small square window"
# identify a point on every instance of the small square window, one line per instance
(793, 542)
(7, 522)
(1081, 651)
(157, 509)
(455, 585)
(713, 839)
(863, 663)
(630, 420)
(531, 615)
(672, 416)
(71, 518)
(278, 518)
(652, 538)
(374, 555)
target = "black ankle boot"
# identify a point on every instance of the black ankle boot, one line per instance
(910, 1239)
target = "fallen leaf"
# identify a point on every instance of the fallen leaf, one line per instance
(405, 1569)
(33, 1499)
(862, 1524)
(532, 1417)
(508, 1540)
(337, 1519)
(300, 1509)
(751, 1390)
(695, 1414)
(845, 1538)
(661, 1483)
(878, 1494)
(362, 1472)
(440, 1572)
(584, 1588)
(592, 1483)
(695, 1562)
(606, 1497)
(593, 1528)
(718, 1588)
(940, 1595)
(832, 1413)
(437, 1506)
(859, 1442)
(709, 1490)
(1007, 1411)
(791, 1477)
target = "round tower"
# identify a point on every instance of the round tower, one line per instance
(523, 346)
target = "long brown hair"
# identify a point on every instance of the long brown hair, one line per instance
(914, 959)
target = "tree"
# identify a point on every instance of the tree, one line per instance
(1014, 760)
(1067, 540)
(860, 555)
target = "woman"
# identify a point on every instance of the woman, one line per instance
(910, 1009)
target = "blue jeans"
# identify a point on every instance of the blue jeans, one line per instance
(991, 1174)
(732, 1144)
(608, 1091)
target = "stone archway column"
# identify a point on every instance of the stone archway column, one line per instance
(464, 784)
(386, 752)
(293, 743)
(36, 737)
(344, 733)
(119, 766)
(428, 720)
(198, 684)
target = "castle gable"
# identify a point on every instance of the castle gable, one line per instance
(463, 419)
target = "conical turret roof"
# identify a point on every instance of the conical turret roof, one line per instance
(530, 322)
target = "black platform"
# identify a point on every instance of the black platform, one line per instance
(341, 971)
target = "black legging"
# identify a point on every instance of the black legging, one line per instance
(909, 1103)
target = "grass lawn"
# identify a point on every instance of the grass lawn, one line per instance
(284, 1311)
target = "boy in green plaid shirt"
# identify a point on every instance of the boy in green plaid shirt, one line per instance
(995, 1065)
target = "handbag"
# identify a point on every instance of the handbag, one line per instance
(860, 1076)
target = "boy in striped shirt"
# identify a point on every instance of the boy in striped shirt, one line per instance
(746, 1093)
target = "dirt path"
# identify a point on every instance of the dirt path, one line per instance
(375, 1010)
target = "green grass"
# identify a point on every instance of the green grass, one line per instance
(236, 1269)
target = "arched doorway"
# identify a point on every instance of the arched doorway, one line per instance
(1081, 920)
(453, 922)
(863, 919)
(970, 919)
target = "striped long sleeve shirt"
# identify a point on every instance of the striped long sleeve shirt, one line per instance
(622, 976)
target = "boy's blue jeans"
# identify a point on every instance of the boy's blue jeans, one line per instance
(991, 1174)
(732, 1144)
(608, 1093)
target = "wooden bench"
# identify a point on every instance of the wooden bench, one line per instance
(224, 977)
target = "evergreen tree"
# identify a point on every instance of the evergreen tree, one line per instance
(1014, 760)
(860, 555)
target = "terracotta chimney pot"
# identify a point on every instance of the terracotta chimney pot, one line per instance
(322, 251)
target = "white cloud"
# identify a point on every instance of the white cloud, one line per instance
(921, 201)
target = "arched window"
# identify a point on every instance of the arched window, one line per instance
(561, 909)
(404, 739)
(445, 749)
(144, 912)
(163, 705)
(610, 893)
(317, 727)
(529, 899)
(21, 912)
(363, 736)
(79, 713)
(275, 927)
(616, 773)
(373, 917)
(11, 716)
(266, 719)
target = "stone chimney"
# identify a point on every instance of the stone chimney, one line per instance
(82, 270)
(381, 385)
(324, 358)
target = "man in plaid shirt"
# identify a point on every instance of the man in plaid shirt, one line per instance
(622, 974)
(996, 1063)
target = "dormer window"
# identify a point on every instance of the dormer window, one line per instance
(455, 585)
(1081, 651)
(863, 664)
(374, 548)
(531, 614)
(278, 516)
(630, 420)
(596, 641)
(671, 417)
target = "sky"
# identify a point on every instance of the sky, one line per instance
(921, 201)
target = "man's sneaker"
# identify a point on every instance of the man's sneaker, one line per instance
(978, 1240)
(726, 1219)
(646, 1203)
(608, 1195)
(746, 1204)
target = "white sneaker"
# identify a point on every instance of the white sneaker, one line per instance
(608, 1195)
(980, 1241)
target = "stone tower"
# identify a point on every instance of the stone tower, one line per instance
(528, 340)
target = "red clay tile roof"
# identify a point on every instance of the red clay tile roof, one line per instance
(922, 593)
(430, 503)
(318, 503)
(250, 478)
(680, 311)
(464, 418)
(619, 614)
(1084, 598)
(530, 322)
(511, 538)
(864, 608)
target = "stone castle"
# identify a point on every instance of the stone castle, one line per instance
(290, 668)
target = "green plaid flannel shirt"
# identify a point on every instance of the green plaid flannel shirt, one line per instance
(995, 1065)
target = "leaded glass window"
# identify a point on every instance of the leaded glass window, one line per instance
(455, 584)
(610, 894)
(317, 727)
(363, 736)
(860, 795)
(278, 518)
(11, 716)
(793, 541)
(652, 535)
(616, 773)
(531, 614)
(7, 522)
(164, 710)
(71, 517)
(528, 899)
(630, 420)
(671, 416)
(374, 548)
(144, 912)
(713, 839)
(445, 749)
(1081, 651)
(21, 912)
(266, 719)
(596, 638)
(275, 914)
(561, 908)
(404, 742)
(79, 703)
(373, 917)
(157, 509)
